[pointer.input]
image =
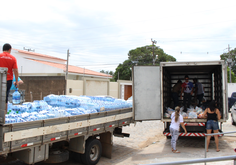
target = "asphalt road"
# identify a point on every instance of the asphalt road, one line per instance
(147, 145)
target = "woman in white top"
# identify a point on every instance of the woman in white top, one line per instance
(176, 120)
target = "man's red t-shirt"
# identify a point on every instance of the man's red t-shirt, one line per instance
(9, 61)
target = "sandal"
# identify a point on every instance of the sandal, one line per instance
(176, 151)
(218, 150)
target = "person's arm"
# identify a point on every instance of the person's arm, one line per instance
(20, 81)
(15, 71)
(183, 126)
(204, 114)
(218, 114)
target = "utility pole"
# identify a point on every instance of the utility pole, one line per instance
(230, 62)
(66, 76)
(153, 48)
(153, 58)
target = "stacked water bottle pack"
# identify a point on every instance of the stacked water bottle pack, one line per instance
(54, 106)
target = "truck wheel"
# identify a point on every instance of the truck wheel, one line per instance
(58, 156)
(93, 151)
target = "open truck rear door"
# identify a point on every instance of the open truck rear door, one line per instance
(146, 93)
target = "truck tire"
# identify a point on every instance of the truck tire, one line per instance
(93, 151)
(58, 156)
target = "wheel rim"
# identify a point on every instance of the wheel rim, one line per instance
(94, 152)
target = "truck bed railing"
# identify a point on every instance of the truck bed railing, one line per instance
(28, 133)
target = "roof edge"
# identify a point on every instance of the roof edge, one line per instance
(38, 54)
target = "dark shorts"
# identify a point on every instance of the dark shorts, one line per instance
(9, 83)
(212, 124)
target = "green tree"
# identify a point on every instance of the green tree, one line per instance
(224, 57)
(123, 71)
(144, 55)
(102, 71)
(233, 78)
(110, 73)
(107, 72)
(140, 56)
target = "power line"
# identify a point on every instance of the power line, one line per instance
(128, 34)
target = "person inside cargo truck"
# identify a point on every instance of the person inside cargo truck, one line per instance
(9, 61)
(187, 89)
(175, 93)
(198, 91)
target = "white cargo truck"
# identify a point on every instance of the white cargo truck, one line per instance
(86, 137)
(152, 91)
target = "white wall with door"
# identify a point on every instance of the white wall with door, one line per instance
(94, 87)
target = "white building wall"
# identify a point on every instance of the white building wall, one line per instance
(114, 90)
(74, 87)
(121, 87)
(95, 87)
(36, 57)
(32, 67)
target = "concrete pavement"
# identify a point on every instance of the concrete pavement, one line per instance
(147, 147)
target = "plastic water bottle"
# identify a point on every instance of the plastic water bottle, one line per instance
(16, 97)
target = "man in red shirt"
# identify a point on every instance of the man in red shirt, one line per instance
(9, 61)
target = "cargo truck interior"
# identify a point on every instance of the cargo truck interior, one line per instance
(209, 75)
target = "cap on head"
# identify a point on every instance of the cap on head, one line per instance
(186, 76)
(6, 47)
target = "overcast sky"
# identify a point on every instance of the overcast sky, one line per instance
(99, 34)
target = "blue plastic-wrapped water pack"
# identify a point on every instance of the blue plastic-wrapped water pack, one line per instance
(55, 106)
